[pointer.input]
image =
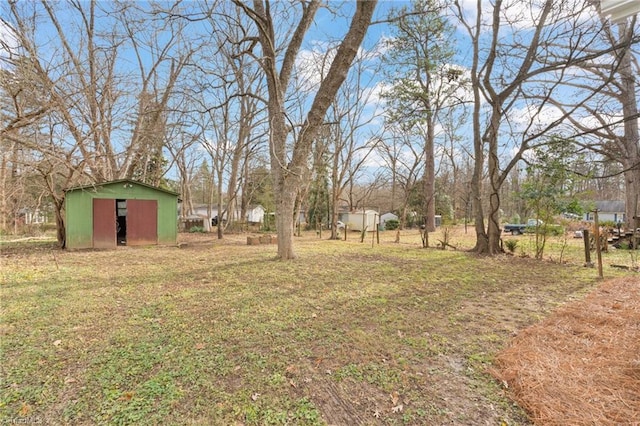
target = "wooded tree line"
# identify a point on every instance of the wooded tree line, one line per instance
(443, 108)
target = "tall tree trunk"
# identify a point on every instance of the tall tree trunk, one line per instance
(430, 177)
(285, 206)
(495, 182)
(61, 233)
(482, 240)
(631, 138)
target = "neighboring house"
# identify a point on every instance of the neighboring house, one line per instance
(254, 214)
(608, 211)
(121, 212)
(359, 220)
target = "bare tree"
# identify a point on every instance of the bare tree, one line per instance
(608, 123)
(21, 107)
(90, 90)
(162, 53)
(454, 155)
(519, 62)
(229, 96)
(348, 143)
(404, 161)
(290, 152)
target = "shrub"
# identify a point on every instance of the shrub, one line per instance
(196, 229)
(546, 229)
(511, 245)
(391, 224)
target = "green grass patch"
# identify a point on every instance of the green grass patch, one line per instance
(221, 333)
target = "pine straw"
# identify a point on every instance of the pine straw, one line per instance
(581, 366)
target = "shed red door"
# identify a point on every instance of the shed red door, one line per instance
(142, 222)
(104, 223)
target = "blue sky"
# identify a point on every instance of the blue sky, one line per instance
(331, 25)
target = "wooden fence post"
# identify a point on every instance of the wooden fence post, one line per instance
(597, 239)
(587, 248)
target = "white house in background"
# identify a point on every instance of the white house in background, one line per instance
(608, 211)
(254, 214)
(359, 220)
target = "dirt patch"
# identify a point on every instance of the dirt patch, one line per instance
(580, 366)
(339, 405)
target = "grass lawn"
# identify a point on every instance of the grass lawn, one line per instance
(220, 333)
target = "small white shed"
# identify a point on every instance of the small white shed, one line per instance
(359, 220)
(254, 214)
(385, 217)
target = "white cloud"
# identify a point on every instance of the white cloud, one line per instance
(614, 120)
(381, 47)
(533, 117)
(8, 43)
(525, 14)
(313, 64)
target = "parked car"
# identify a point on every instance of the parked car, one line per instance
(534, 226)
(520, 228)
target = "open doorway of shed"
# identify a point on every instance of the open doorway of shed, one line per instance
(121, 222)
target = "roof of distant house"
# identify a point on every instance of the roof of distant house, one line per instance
(610, 206)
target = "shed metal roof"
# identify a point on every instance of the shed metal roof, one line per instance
(133, 182)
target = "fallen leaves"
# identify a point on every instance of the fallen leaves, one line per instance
(397, 405)
(127, 396)
(397, 408)
(395, 401)
(291, 371)
(25, 409)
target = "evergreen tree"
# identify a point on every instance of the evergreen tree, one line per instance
(422, 80)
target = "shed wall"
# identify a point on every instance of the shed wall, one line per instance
(354, 220)
(79, 211)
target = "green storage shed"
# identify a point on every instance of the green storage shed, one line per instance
(121, 212)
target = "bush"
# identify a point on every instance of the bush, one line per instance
(555, 230)
(196, 229)
(391, 224)
(546, 229)
(511, 245)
